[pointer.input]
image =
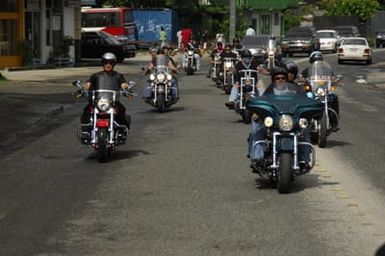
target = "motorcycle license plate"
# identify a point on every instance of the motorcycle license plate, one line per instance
(102, 123)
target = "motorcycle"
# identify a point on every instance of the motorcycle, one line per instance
(285, 117)
(320, 86)
(227, 74)
(247, 90)
(103, 133)
(162, 84)
(216, 68)
(190, 65)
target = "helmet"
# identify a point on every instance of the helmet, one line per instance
(291, 67)
(278, 71)
(315, 56)
(246, 54)
(109, 57)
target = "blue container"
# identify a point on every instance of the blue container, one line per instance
(148, 24)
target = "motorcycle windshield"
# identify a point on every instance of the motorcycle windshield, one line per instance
(320, 74)
(275, 105)
(161, 62)
(105, 94)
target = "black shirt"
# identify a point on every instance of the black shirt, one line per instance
(107, 80)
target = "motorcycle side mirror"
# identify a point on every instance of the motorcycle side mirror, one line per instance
(76, 83)
(131, 84)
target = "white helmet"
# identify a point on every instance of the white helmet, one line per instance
(109, 57)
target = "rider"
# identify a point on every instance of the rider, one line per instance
(190, 47)
(171, 65)
(228, 53)
(279, 84)
(245, 63)
(108, 78)
(292, 72)
(217, 51)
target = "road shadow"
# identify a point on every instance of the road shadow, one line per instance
(334, 143)
(301, 183)
(119, 155)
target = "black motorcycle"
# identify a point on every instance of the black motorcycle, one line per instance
(161, 79)
(103, 133)
(285, 117)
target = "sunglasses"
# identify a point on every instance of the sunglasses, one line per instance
(108, 63)
(280, 78)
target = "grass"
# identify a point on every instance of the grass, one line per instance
(3, 79)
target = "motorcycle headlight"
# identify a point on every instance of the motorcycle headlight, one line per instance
(190, 52)
(169, 77)
(286, 123)
(268, 122)
(303, 123)
(320, 91)
(103, 104)
(160, 77)
(152, 77)
(228, 65)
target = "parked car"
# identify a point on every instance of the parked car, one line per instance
(329, 40)
(300, 40)
(355, 49)
(95, 43)
(380, 38)
(257, 45)
(347, 31)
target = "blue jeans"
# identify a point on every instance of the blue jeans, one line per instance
(258, 132)
(174, 89)
(197, 60)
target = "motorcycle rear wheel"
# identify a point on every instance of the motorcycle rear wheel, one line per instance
(285, 172)
(103, 150)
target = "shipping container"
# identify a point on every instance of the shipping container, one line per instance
(148, 24)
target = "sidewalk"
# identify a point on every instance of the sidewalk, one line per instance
(49, 72)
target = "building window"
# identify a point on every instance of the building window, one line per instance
(265, 24)
(276, 19)
(8, 39)
(8, 6)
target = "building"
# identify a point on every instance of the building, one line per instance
(266, 16)
(38, 31)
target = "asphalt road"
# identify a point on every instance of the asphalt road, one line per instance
(182, 185)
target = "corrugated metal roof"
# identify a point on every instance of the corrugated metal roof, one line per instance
(269, 4)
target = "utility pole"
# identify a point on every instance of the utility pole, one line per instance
(233, 9)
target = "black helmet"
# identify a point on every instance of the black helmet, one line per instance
(291, 67)
(246, 54)
(109, 57)
(278, 71)
(314, 56)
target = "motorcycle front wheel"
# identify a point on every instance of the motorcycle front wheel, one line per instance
(285, 172)
(103, 149)
(322, 132)
(161, 104)
(246, 116)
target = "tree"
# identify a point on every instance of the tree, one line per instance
(364, 9)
